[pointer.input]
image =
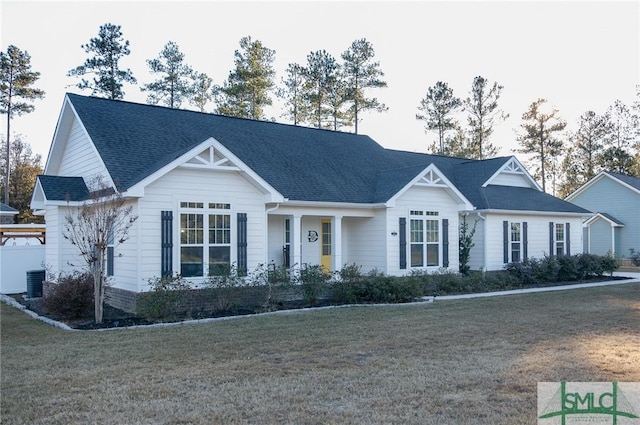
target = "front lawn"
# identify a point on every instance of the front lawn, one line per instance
(451, 362)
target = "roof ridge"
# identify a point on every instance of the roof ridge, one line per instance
(213, 114)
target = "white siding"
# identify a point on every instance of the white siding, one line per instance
(426, 199)
(538, 236)
(276, 239)
(52, 247)
(126, 257)
(196, 186)
(477, 251)
(511, 179)
(79, 157)
(366, 238)
(61, 257)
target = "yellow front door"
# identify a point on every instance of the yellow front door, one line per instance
(325, 256)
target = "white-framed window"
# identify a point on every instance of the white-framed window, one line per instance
(559, 239)
(205, 239)
(286, 250)
(110, 254)
(424, 238)
(516, 242)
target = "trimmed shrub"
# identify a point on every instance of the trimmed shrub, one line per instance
(634, 256)
(312, 279)
(164, 299)
(568, 268)
(71, 297)
(225, 285)
(563, 268)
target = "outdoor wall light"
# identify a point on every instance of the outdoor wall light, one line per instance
(394, 233)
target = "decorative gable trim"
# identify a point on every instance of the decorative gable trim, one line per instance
(209, 155)
(433, 177)
(596, 179)
(600, 216)
(210, 159)
(513, 167)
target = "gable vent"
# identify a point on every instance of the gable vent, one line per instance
(432, 179)
(210, 159)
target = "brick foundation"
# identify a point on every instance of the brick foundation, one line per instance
(210, 299)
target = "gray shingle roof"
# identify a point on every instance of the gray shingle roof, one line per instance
(303, 164)
(524, 199)
(6, 209)
(60, 188)
(630, 180)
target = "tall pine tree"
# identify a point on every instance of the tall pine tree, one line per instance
(438, 108)
(617, 154)
(107, 49)
(16, 93)
(483, 113)
(361, 73)
(539, 138)
(202, 87)
(321, 77)
(176, 78)
(293, 94)
(582, 156)
(247, 90)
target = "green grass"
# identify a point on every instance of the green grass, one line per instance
(452, 362)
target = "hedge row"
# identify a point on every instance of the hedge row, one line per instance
(275, 289)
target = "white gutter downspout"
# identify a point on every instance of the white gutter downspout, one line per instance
(484, 243)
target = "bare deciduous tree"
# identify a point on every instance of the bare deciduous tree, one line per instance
(103, 220)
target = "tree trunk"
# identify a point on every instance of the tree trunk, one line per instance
(98, 288)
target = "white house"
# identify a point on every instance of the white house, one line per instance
(211, 190)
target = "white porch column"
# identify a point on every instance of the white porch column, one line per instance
(613, 240)
(296, 244)
(337, 241)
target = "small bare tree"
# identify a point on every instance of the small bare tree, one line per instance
(103, 220)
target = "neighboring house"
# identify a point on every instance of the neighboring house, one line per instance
(7, 213)
(210, 191)
(615, 200)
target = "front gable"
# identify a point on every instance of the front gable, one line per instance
(72, 152)
(432, 177)
(512, 173)
(593, 184)
(209, 155)
(612, 221)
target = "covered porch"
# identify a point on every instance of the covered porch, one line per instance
(301, 236)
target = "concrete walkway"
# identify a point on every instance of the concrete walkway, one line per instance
(634, 278)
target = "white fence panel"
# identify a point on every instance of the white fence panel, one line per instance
(15, 262)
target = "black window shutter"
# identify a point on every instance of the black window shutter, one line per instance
(505, 241)
(242, 244)
(551, 236)
(525, 241)
(445, 242)
(403, 243)
(110, 255)
(166, 243)
(567, 230)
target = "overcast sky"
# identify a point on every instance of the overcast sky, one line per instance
(580, 55)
